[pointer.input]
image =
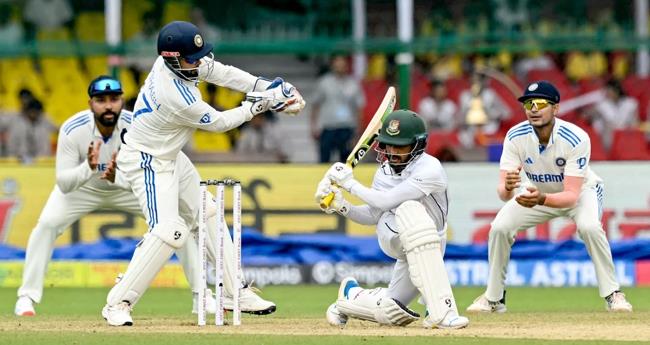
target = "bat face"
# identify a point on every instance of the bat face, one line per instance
(372, 131)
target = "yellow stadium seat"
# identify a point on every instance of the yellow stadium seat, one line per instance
(228, 99)
(176, 10)
(129, 86)
(97, 65)
(205, 142)
(90, 26)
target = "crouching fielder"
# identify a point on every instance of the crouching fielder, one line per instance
(408, 203)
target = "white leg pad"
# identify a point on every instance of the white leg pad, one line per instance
(421, 242)
(373, 305)
(151, 257)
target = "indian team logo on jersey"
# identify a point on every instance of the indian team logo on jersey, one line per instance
(560, 162)
(198, 40)
(393, 127)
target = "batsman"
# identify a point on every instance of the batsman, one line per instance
(408, 204)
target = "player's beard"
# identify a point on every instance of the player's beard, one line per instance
(104, 121)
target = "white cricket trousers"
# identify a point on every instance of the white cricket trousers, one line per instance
(514, 217)
(60, 211)
(400, 287)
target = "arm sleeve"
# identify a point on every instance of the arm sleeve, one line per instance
(578, 160)
(202, 116)
(70, 174)
(364, 214)
(232, 77)
(387, 200)
(509, 157)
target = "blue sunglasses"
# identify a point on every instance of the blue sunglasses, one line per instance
(105, 86)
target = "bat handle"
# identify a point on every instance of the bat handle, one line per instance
(326, 201)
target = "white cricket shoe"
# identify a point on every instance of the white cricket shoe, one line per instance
(615, 302)
(250, 302)
(24, 306)
(211, 305)
(345, 286)
(118, 315)
(449, 322)
(482, 305)
(334, 316)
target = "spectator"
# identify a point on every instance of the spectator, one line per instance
(261, 137)
(437, 109)
(494, 108)
(11, 32)
(28, 134)
(615, 111)
(337, 102)
(47, 16)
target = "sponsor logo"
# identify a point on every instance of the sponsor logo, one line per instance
(533, 87)
(205, 119)
(529, 160)
(177, 235)
(545, 178)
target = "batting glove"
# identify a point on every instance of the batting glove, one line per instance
(338, 204)
(341, 175)
(324, 189)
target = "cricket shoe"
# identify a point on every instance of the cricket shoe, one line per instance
(615, 302)
(250, 302)
(482, 305)
(449, 322)
(24, 306)
(118, 315)
(210, 305)
(335, 317)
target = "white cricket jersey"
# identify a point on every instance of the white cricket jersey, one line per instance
(567, 153)
(169, 109)
(75, 135)
(427, 175)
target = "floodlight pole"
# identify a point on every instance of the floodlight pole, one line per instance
(404, 58)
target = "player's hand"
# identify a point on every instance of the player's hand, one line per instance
(338, 204)
(341, 175)
(513, 180)
(531, 197)
(93, 154)
(109, 173)
(324, 189)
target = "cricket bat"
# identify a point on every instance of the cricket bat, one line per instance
(367, 139)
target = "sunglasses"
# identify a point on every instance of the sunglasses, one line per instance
(538, 103)
(104, 85)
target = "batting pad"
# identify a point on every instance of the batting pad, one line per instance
(152, 255)
(373, 305)
(421, 242)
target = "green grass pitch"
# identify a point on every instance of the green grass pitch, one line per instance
(535, 315)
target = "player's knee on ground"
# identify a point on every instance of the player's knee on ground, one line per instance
(173, 231)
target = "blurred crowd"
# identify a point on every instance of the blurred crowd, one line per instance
(599, 88)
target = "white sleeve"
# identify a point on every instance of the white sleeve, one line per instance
(578, 159)
(70, 175)
(509, 157)
(387, 200)
(364, 214)
(201, 115)
(231, 77)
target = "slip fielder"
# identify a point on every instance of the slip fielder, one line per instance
(554, 155)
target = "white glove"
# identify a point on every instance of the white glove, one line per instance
(338, 204)
(294, 107)
(324, 189)
(276, 97)
(341, 175)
